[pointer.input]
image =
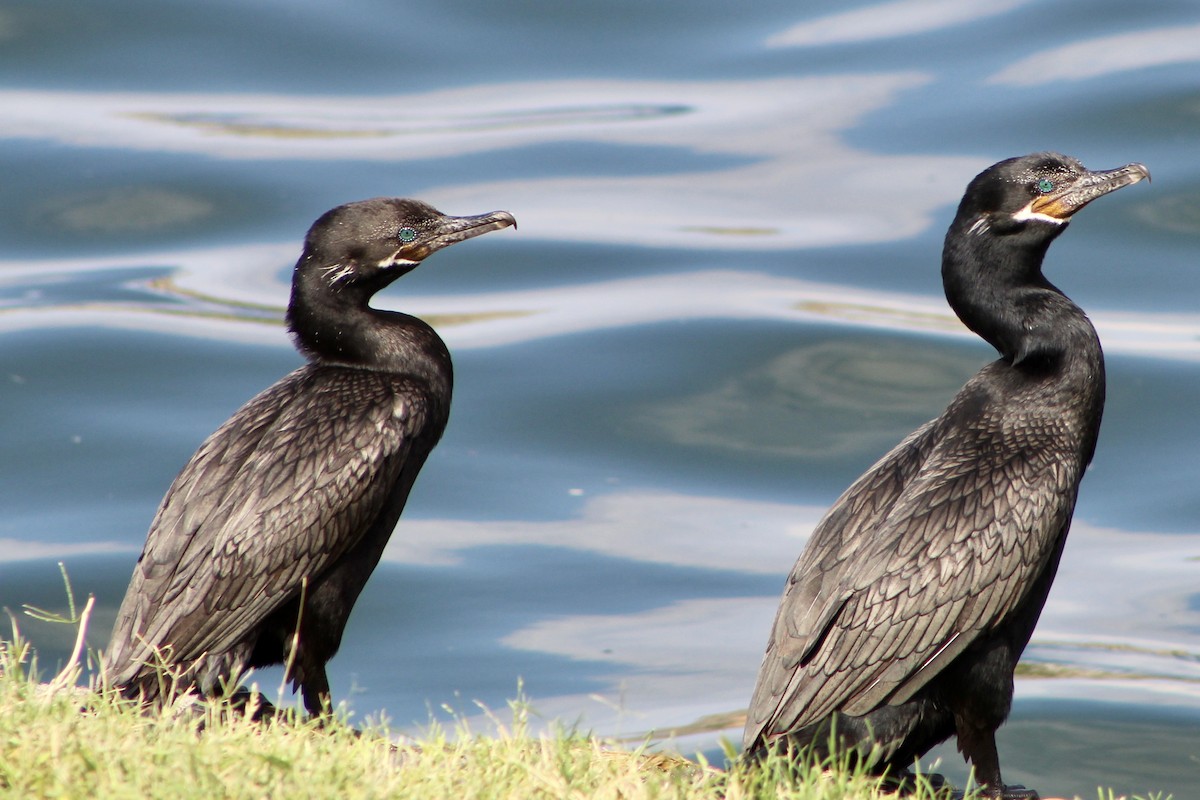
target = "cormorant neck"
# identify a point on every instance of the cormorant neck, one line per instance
(995, 285)
(335, 325)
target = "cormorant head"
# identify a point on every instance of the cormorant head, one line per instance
(370, 243)
(1036, 194)
(355, 250)
(992, 259)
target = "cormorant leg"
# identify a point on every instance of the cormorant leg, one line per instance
(979, 747)
(315, 690)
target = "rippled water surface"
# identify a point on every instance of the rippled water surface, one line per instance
(722, 304)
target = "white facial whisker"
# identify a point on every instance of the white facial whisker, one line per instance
(336, 272)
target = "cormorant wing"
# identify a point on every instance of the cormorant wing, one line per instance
(278, 493)
(934, 545)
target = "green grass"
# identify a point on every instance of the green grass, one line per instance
(60, 740)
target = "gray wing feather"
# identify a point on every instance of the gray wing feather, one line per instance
(261, 505)
(878, 560)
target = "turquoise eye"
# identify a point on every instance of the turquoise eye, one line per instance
(1045, 186)
(407, 235)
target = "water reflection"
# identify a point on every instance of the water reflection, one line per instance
(815, 401)
(1111, 629)
(1105, 55)
(803, 185)
(15, 550)
(889, 20)
(1175, 213)
(122, 210)
(683, 530)
(210, 292)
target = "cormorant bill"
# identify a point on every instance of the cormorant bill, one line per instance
(292, 500)
(903, 619)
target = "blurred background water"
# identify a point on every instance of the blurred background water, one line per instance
(722, 305)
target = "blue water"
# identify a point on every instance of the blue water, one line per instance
(722, 305)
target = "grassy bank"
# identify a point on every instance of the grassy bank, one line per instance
(58, 740)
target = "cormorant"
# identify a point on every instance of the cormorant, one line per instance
(292, 500)
(903, 619)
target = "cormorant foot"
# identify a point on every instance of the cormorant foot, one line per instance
(1011, 792)
(903, 783)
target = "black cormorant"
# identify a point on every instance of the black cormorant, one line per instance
(903, 619)
(295, 496)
